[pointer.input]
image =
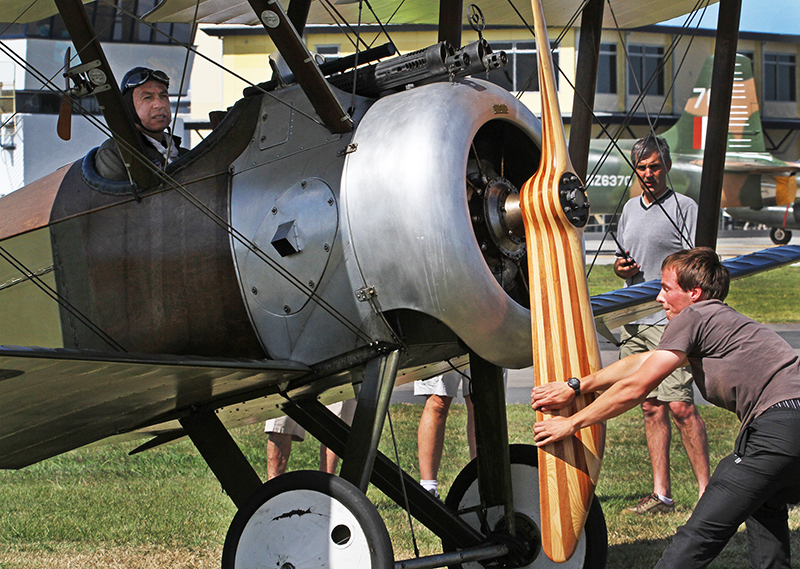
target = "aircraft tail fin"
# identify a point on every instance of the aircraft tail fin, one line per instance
(744, 128)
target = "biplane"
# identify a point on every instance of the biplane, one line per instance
(346, 226)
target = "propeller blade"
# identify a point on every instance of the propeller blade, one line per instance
(564, 337)
(64, 125)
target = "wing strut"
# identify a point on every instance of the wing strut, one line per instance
(580, 132)
(450, 13)
(302, 63)
(555, 210)
(107, 91)
(718, 117)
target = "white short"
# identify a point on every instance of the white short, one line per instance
(287, 426)
(445, 385)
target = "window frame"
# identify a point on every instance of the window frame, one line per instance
(518, 49)
(779, 87)
(644, 56)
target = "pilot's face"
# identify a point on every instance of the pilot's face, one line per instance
(151, 101)
(653, 172)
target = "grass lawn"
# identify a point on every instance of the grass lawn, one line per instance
(98, 507)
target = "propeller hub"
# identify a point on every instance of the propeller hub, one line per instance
(574, 201)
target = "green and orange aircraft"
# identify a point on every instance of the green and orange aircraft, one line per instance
(757, 186)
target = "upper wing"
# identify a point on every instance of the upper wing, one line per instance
(613, 309)
(58, 400)
(628, 13)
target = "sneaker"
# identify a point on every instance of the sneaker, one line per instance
(433, 492)
(651, 504)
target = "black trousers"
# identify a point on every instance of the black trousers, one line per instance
(753, 485)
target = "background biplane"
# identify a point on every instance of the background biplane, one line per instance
(338, 232)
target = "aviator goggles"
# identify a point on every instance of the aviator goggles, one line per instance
(143, 76)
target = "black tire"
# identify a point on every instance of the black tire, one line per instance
(780, 236)
(288, 520)
(592, 549)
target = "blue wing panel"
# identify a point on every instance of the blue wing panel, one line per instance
(613, 309)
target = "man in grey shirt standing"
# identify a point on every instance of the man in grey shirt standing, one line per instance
(651, 227)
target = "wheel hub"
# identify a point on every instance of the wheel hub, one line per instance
(525, 547)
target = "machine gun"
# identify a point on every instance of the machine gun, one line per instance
(435, 63)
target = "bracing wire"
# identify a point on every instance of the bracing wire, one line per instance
(206, 210)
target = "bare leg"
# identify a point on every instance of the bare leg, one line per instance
(328, 460)
(471, 428)
(279, 446)
(430, 436)
(693, 434)
(658, 433)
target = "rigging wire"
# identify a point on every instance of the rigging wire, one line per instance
(206, 210)
(183, 79)
(335, 15)
(53, 294)
(254, 248)
(403, 485)
(636, 104)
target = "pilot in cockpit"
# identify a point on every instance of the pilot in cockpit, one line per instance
(146, 97)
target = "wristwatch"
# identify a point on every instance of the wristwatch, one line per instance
(575, 384)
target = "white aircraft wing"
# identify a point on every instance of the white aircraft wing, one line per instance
(622, 13)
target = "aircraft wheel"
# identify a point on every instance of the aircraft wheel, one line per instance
(780, 236)
(593, 546)
(308, 519)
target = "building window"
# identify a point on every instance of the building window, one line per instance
(779, 77)
(607, 69)
(522, 71)
(646, 67)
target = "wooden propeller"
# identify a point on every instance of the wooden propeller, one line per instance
(64, 125)
(555, 209)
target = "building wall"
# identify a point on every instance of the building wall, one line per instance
(247, 55)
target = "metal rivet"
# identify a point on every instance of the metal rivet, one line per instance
(264, 138)
(286, 308)
(326, 247)
(254, 290)
(264, 116)
(274, 210)
(310, 284)
(303, 184)
(330, 201)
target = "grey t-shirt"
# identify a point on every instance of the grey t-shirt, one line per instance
(737, 363)
(650, 236)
